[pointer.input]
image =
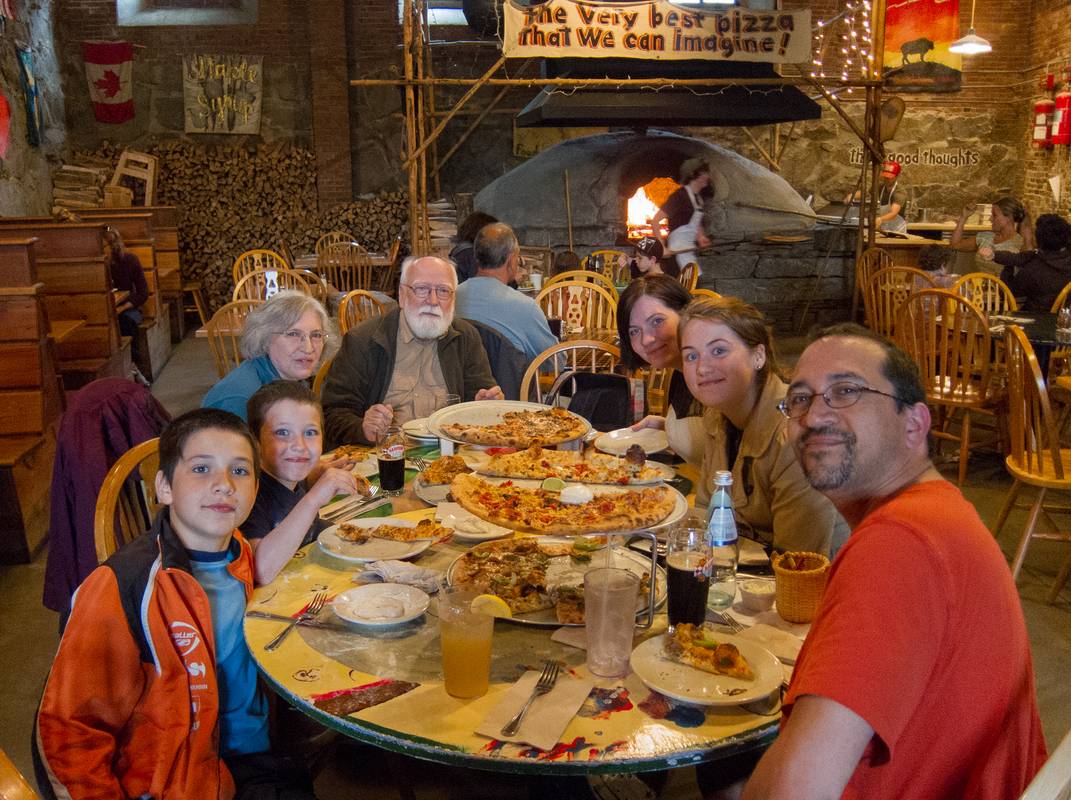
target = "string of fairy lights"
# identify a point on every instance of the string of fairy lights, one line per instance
(852, 37)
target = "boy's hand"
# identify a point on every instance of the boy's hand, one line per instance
(650, 421)
(332, 482)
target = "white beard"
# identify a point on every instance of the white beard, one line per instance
(428, 322)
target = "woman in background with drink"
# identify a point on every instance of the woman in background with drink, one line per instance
(730, 367)
(1010, 232)
(648, 313)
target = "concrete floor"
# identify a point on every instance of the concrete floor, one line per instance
(28, 637)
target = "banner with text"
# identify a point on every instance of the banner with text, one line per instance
(222, 93)
(655, 30)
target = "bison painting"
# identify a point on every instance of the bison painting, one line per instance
(917, 47)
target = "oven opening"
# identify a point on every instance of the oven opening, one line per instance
(644, 203)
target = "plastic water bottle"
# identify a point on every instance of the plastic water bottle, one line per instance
(721, 535)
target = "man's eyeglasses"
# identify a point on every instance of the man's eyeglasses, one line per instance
(294, 336)
(423, 291)
(839, 395)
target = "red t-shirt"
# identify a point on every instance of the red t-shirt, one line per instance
(921, 634)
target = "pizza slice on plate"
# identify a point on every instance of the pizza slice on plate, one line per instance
(696, 646)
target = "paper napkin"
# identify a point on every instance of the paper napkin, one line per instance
(573, 637)
(401, 572)
(781, 643)
(549, 715)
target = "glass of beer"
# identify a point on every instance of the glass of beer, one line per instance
(688, 559)
(391, 456)
(466, 643)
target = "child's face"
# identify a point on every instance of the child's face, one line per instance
(291, 440)
(212, 490)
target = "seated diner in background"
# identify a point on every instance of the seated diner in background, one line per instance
(487, 297)
(463, 253)
(1011, 232)
(286, 338)
(402, 366)
(935, 261)
(1038, 276)
(127, 276)
(648, 313)
(915, 681)
(287, 421)
(730, 366)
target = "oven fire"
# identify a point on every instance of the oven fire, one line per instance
(645, 203)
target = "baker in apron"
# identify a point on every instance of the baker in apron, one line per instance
(683, 212)
(890, 200)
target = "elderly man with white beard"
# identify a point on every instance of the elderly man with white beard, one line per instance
(402, 366)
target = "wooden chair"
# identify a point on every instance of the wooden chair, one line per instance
(13, 786)
(870, 261)
(285, 251)
(986, 291)
(1061, 299)
(225, 333)
(689, 276)
(705, 293)
(321, 376)
(357, 306)
(127, 502)
(657, 385)
(263, 284)
(584, 355)
(886, 292)
(318, 287)
(1035, 457)
(579, 304)
(612, 260)
(1060, 357)
(948, 338)
(330, 238)
(253, 260)
(387, 277)
(346, 266)
(582, 275)
(1053, 781)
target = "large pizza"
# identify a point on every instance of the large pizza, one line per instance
(521, 429)
(542, 511)
(570, 465)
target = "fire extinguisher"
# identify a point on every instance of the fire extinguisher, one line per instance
(1061, 119)
(1043, 122)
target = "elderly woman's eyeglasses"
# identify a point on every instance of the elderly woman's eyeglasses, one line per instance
(423, 291)
(839, 395)
(294, 336)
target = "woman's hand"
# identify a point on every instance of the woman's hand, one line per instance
(650, 421)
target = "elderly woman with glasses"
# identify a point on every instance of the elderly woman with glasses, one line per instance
(286, 338)
(730, 367)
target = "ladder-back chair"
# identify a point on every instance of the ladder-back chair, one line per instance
(254, 260)
(886, 292)
(986, 291)
(127, 500)
(225, 333)
(1035, 457)
(357, 306)
(264, 284)
(346, 266)
(579, 304)
(689, 276)
(584, 355)
(330, 238)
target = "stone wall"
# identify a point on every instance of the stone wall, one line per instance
(25, 179)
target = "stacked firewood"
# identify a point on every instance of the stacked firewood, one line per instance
(234, 198)
(75, 187)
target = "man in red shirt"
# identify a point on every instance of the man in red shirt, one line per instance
(916, 679)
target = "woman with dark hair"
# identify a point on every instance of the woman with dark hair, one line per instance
(1038, 276)
(1010, 232)
(730, 367)
(648, 312)
(462, 254)
(683, 212)
(127, 276)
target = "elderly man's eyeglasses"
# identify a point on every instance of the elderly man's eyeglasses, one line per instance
(423, 291)
(839, 395)
(294, 336)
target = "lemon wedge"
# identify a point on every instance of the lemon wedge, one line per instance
(552, 484)
(491, 605)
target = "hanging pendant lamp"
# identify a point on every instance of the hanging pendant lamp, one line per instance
(972, 44)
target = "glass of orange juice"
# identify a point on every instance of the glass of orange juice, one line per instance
(466, 643)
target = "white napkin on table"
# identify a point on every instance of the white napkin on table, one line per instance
(549, 715)
(401, 572)
(779, 642)
(572, 636)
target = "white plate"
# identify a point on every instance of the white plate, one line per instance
(431, 493)
(617, 442)
(418, 429)
(373, 549)
(380, 604)
(467, 526)
(690, 685)
(565, 570)
(484, 412)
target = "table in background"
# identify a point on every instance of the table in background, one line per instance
(1039, 328)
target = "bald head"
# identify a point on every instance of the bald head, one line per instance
(494, 246)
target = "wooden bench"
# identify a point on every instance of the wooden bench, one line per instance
(69, 261)
(31, 401)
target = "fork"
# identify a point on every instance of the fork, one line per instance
(419, 462)
(546, 682)
(721, 618)
(346, 506)
(307, 615)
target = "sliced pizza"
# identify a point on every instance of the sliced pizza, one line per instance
(521, 429)
(512, 569)
(538, 462)
(425, 529)
(696, 646)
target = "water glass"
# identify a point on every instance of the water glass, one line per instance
(688, 560)
(610, 595)
(466, 643)
(450, 400)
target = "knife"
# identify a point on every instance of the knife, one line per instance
(282, 618)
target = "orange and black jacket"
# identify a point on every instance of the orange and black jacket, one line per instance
(131, 706)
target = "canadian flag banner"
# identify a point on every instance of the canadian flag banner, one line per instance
(109, 71)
